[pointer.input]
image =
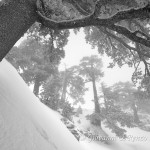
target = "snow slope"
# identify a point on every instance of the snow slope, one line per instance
(137, 139)
(25, 123)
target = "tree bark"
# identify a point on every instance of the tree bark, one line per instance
(16, 17)
(36, 86)
(97, 107)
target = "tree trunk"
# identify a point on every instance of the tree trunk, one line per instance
(36, 86)
(135, 113)
(16, 17)
(97, 107)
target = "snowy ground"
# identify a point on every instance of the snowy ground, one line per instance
(137, 138)
(26, 124)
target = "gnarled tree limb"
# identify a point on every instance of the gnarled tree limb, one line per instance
(109, 23)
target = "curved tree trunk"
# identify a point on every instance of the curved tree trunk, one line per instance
(97, 107)
(16, 17)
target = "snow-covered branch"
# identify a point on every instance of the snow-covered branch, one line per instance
(93, 20)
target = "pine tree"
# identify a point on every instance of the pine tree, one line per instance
(113, 113)
(90, 68)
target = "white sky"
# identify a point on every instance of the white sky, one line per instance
(77, 48)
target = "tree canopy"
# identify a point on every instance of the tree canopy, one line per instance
(118, 28)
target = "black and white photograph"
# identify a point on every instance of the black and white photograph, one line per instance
(74, 74)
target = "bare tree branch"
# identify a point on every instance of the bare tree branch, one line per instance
(136, 68)
(131, 35)
(147, 72)
(110, 40)
(123, 43)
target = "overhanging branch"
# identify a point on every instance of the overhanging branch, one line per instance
(131, 35)
(123, 43)
(90, 20)
(141, 13)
